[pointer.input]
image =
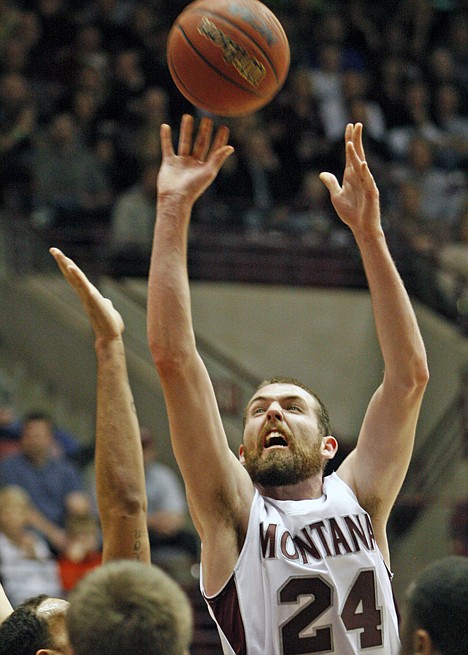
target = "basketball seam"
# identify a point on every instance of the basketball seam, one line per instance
(246, 34)
(220, 73)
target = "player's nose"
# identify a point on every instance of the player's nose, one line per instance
(275, 412)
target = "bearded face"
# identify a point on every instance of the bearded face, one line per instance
(282, 460)
(283, 437)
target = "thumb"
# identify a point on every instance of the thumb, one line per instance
(221, 155)
(330, 182)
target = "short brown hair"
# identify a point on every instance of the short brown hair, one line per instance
(129, 607)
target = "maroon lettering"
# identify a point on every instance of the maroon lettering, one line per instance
(370, 532)
(339, 540)
(285, 539)
(306, 547)
(356, 530)
(319, 527)
(268, 540)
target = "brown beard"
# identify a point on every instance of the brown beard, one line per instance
(280, 468)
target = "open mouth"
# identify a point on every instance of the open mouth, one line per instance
(275, 439)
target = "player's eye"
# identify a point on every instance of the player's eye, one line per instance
(258, 410)
(294, 408)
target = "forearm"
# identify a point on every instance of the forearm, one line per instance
(170, 330)
(396, 325)
(120, 479)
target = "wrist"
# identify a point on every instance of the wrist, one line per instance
(106, 345)
(369, 235)
(174, 200)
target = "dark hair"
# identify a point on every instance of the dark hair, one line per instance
(437, 603)
(24, 632)
(323, 416)
(37, 415)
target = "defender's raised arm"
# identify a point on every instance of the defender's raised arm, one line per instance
(120, 476)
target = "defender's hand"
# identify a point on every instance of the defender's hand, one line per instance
(105, 320)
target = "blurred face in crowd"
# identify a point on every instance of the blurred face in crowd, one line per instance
(37, 440)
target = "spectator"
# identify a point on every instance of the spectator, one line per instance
(17, 129)
(132, 219)
(167, 509)
(82, 551)
(120, 168)
(453, 259)
(128, 83)
(327, 72)
(452, 142)
(336, 111)
(27, 566)
(53, 483)
(294, 124)
(65, 443)
(389, 90)
(417, 119)
(309, 216)
(150, 111)
(70, 188)
(441, 192)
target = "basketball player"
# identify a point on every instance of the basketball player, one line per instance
(291, 562)
(38, 625)
(436, 610)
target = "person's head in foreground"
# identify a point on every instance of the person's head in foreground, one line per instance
(286, 433)
(120, 607)
(436, 614)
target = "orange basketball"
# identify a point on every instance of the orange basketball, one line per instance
(228, 57)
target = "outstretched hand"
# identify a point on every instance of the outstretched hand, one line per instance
(197, 162)
(105, 320)
(357, 201)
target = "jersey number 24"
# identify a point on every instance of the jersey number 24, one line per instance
(360, 612)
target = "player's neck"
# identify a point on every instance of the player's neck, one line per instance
(304, 490)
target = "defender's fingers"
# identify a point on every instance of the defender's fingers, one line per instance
(185, 136)
(203, 139)
(73, 274)
(64, 263)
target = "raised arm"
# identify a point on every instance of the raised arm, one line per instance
(378, 465)
(120, 477)
(218, 488)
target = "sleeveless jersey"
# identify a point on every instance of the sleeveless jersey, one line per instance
(309, 579)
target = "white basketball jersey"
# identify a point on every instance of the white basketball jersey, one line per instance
(309, 579)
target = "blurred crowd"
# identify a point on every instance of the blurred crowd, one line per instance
(50, 534)
(84, 87)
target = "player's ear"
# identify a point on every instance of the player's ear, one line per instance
(241, 454)
(329, 447)
(422, 642)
